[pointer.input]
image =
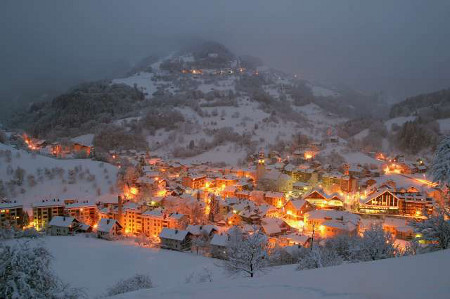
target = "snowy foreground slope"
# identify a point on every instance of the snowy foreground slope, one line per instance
(423, 276)
(89, 177)
(94, 264)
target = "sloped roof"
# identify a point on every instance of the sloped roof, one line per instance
(219, 240)
(199, 229)
(173, 234)
(62, 221)
(105, 225)
(298, 203)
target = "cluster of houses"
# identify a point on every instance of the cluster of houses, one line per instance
(194, 207)
(80, 147)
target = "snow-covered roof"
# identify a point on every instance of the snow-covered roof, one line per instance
(62, 221)
(105, 225)
(298, 239)
(9, 205)
(271, 225)
(199, 229)
(86, 140)
(333, 214)
(274, 194)
(347, 226)
(176, 216)
(298, 203)
(80, 205)
(48, 203)
(219, 240)
(173, 234)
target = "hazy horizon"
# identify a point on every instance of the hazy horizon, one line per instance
(398, 47)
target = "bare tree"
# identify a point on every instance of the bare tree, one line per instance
(246, 255)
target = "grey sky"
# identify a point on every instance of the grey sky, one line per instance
(401, 47)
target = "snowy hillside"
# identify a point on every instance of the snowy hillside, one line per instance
(422, 276)
(222, 104)
(47, 178)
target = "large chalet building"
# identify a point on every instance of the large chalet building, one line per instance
(387, 201)
(322, 200)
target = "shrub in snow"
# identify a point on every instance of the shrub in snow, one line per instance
(25, 273)
(319, 257)
(205, 275)
(246, 255)
(435, 230)
(7, 233)
(137, 282)
(30, 233)
(343, 245)
(375, 244)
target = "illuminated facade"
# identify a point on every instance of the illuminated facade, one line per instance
(11, 215)
(44, 212)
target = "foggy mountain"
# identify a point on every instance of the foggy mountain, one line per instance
(372, 47)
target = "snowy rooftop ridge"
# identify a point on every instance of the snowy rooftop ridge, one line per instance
(173, 234)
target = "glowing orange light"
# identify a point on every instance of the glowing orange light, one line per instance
(161, 193)
(134, 190)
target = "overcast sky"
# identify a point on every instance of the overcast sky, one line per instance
(400, 47)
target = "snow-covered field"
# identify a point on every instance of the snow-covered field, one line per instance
(422, 276)
(84, 187)
(95, 264)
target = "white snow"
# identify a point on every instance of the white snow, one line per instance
(84, 139)
(96, 264)
(421, 276)
(55, 188)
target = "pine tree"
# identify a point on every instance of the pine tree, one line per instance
(440, 168)
(25, 273)
(435, 230)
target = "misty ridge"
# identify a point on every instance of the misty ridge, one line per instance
(186, 93)
(398, 48)
(142, 77)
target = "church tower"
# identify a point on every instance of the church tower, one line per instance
(261, 166)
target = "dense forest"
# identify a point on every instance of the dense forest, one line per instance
(79, 110)
(435, 105)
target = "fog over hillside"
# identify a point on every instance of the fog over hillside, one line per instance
(398, 47)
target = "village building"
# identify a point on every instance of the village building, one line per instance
(386, 201)
(329, 223)
(233, 219)
(44, 211)
(322, 200)
(175, 239)
(218, 246)
(194, 181)
(83, 211)
(63, 226)
(199, 230)
(296, 209)
(276, 199)
(348, 184)
(11, 215)
(295, 239)
(153, 222)
(273, 227)
(108, 229)
(399, 228)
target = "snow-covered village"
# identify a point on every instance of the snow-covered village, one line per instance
(199, 171)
